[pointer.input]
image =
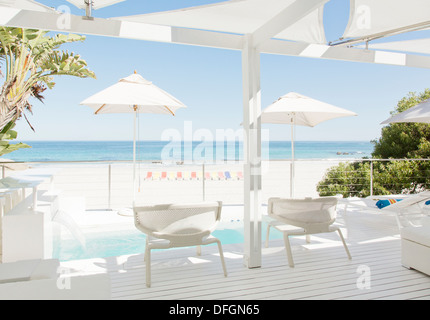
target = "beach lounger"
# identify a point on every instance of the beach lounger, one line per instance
(172, 176)
(214, 176)
(179, 175)
(407, 209)
(221, 175)
(156, 175)
(207, 176)
(193, 175)
(227, 175)
(240, 175)
(163, 175)
(148, 175)
(186, 175)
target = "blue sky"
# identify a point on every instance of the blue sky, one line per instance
(209, 82)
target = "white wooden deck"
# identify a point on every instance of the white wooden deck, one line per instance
(322, 269)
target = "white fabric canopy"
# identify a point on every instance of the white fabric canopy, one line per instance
(241, 17)
(26, 5)
(418, 113)
(369, 17)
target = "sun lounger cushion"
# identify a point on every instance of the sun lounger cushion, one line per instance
(386, 202)
(420, 235)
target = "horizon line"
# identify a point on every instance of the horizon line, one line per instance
(148, 140)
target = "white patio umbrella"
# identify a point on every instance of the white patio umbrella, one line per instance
(296, 109)
(133, 94)
(418, 113)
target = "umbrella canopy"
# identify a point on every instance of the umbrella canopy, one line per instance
(296, 109)
(133, 94)
(418, 113)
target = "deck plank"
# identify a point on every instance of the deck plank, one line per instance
(322, 269)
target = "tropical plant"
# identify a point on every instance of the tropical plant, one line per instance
(30, 60)
(7, 134)
(409, 141)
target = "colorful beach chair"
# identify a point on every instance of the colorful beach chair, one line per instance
(207, 176)
(185, 175)
(163, 175)
(240, 175)
(227, 175)
(221, 175)
(193, 175)
(156, 175)
(148, 175)
(172, 175)
(179, 175)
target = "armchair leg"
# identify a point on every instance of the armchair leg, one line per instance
(267, 235)
(288, 248)
(199, 250)
(221, 254)
(344, 244)
(148, 266)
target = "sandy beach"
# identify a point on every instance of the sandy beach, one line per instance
(109, 185)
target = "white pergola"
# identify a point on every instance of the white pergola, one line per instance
(283, 27)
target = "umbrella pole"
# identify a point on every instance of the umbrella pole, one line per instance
(292, 169)
(134, 156)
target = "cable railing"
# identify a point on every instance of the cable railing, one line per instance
(109, 184)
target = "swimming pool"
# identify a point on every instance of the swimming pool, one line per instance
(120, 242)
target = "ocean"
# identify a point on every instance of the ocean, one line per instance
(42, 151)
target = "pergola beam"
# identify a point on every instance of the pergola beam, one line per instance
(298, 49)
(118, 29)
(141, 31)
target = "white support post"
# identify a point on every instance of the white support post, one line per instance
(252, 153)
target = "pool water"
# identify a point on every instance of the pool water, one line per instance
(120, 242)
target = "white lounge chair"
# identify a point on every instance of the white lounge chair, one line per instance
(408, 212)
(309, 216)
(178, 225)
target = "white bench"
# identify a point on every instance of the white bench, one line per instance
(41, 280)
(28, 270)
(416, 247)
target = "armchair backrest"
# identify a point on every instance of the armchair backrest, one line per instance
(181, 224)
(304, 212)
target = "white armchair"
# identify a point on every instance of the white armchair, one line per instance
(178, 225)
(309, 216)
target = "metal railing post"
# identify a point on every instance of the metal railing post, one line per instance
(109, 185)
(371, 177)
(204, 183)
